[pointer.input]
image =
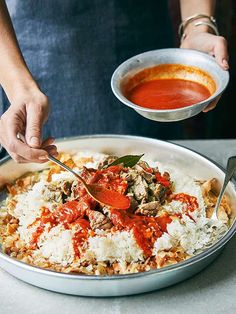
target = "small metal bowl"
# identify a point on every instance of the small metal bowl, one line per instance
(186, 57)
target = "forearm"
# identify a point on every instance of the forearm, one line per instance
(192, 7)
(14, 73)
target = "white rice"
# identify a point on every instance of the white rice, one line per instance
(28, 208)
(56, 245)
(120, 246)
(97, 158)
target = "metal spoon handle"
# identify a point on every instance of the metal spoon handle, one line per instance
(230, 169)
(62, 165)
(21, 137)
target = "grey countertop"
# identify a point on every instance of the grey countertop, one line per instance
(211, 291)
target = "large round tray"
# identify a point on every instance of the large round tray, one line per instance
(189, 161)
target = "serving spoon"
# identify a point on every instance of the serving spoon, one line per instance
(230, 169)
(98, 192)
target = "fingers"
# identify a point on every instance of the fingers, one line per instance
(209, 43)
(34, 126)
(17, 147)
(18, 150)
(221, 52)
(18, 158)
(47, 142)
(26, 115)
(29, 154)
(212, 105)
(52, 150)
(36, 115)
(47, 145)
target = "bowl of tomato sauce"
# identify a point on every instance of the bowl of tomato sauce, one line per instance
(169, 84)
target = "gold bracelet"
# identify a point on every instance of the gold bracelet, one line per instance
(211, 25)
(192, 18)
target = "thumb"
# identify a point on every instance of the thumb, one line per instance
(34, 122)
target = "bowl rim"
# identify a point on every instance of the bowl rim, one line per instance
(192, 260)
(117, 92)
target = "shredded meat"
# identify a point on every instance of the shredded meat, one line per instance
(133, 203)
(74, 190)
(140, 188)
(52, 193)
(148, 209)
(98, 220)
(57, 193)
(66, 188)
(145, 175)
(107, 161)
(160, 193)
(142, 185)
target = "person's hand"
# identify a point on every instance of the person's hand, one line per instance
(26, 115)
(212, 44)
(209, 43)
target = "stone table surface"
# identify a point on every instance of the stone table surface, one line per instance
(211, 291)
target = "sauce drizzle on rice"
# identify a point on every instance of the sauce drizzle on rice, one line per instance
(81, 236)
(77, 213)
(190, 201)
(145, 229)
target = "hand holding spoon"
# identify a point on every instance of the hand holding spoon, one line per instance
(98, 192)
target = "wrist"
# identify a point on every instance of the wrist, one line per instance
(18, 84)
(191, 28)
(197, 23)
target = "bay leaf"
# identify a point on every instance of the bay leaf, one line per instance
(127, 161)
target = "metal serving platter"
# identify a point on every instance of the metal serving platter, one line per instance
(189, 161)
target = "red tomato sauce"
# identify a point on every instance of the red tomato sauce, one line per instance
(81, 235)
(77, 212)
(162, 180)
(35, 236)
(190, 201)
(168, 93)
(145, 229)
(110, 179)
